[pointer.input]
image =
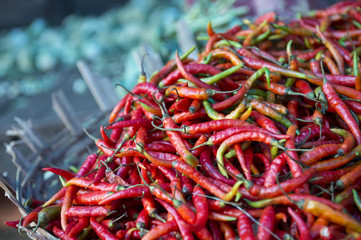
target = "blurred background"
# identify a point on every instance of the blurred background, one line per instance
(42, 40)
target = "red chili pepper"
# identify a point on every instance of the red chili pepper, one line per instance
(189, 76)
(191, 93)
(195, 106)
(142, 122)
(302, 227)
(177, 141)
(67, 202)
(55, 197)
(32, 216)
(83, 223)
(160, 147)
(274, 169)
(184, 228)
(242, 161)
(264, 122)
(228, 231)
(315, 67)
(101, 231)
(319, 152)
(118, 108)
(287, 186)
(331, 65)
(292, 109)
(207, 165)
(311, 131)
(244, 226)
(87, 183)
(221, 136)
(326, 177)
(195, 68)
(199, 178)
(65, 174)
(349, 178)
(88, 211)
(310, 54)
(13, 224)
(317, 226)
(126, 193)
(334, 163)
(59, 233)
(91, 198)
(160, 230)
(266, 223)
(182, 105)
(340, 107)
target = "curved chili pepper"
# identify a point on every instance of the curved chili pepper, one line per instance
(65, 174)
(142, 122)
(205, 161)
(211, 113)
(334, 51)
(160, 230)
(322, 210)
(326, 177)
(319, 153)
(87, 183)
(240, 137)
(301, 225)
(296, 198)
(91, 198)
(311, 131)
(266, 223)
(88, 211)
(274, 169)
(244, 227)
(177, 141)
(137, 191)
(59, 233)
(270, 112)
(349, 178)
(192, 93)
(101, 231)
(242, 161)
(83, 223)
(221, 136)
(212, 126)
(287, 186)
(264, 122)
(32, 216)
(317, 226)
(331, 65)
(118, 108)
(341, 109)
(338, 161)
(199, 178)
(182, 225)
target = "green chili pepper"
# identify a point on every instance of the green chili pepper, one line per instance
(262, 37)
(257, 92)
(220, 76)
(211, 112)
(357, 199)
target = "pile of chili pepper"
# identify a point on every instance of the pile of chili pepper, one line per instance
(257, 139)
